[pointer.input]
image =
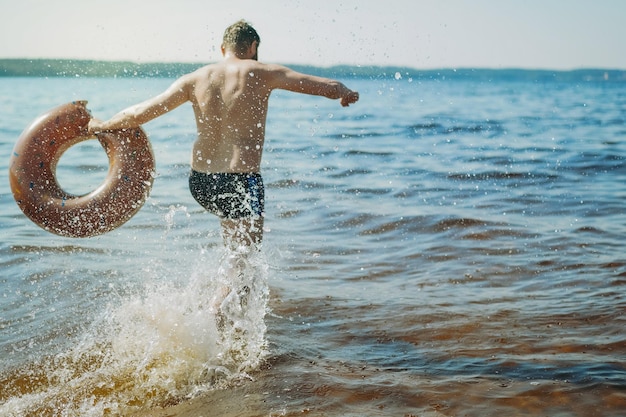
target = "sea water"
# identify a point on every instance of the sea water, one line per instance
(443, 247)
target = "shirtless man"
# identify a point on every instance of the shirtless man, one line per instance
(230, 101)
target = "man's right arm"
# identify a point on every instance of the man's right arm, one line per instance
(141, 113)
(287, 79)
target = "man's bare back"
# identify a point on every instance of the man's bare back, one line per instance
(230, 105)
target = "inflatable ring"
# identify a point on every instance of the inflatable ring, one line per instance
(32, 174)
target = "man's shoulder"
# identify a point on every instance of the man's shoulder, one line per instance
(260, 69)
(200, 73)
(205, 69)
(272, 67)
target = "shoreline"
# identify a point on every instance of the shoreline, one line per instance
(69, 68)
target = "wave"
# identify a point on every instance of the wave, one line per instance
(444, 126)
(152, 349)
(497, 175)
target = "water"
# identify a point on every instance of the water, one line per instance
(442, 248)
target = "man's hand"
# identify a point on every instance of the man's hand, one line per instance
(351, 97)
(94, 126)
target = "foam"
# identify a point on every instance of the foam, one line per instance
(157, 346)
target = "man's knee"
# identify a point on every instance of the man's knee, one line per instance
(246, 232)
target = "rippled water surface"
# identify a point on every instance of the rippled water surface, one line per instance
(441, 248)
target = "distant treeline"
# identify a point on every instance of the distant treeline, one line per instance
(87, 68)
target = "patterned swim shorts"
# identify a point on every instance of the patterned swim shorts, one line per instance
(229, 195)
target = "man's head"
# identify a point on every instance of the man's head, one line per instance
(240, 38)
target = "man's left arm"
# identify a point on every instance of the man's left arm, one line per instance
(287, 79)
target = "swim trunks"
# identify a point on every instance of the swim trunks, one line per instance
(229, 195)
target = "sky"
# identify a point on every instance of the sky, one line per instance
(537, 34)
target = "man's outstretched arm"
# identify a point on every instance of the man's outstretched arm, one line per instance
(287, 79)
(141, 113)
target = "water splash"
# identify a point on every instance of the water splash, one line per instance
(169, 216)
(156, 347)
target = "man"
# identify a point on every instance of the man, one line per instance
(230, 101)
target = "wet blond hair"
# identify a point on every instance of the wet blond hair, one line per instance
(239, 36)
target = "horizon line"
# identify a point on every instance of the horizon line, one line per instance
(331, 66)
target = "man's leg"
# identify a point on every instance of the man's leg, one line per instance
(241, 238)
(246, 232)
